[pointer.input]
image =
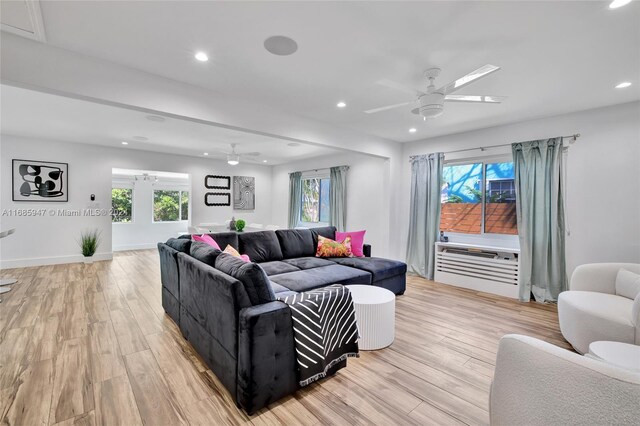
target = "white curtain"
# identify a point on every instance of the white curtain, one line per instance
(338, 197)
(295, 198)
(424, 215)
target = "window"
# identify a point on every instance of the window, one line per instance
(170, 205)
(479, 198)
(315, 200)
(121, 205)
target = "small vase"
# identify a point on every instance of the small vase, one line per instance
(88, 260)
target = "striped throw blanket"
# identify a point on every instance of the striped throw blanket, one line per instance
(324, 328)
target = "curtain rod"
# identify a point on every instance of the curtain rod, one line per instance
(321, 168)
(575, 137)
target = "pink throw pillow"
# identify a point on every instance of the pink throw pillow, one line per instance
(204, 238)
(357, 241)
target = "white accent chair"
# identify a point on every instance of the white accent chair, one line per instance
(537, 383)
(591, 311)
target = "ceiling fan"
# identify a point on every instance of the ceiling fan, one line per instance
(430, 104)
(233, 158)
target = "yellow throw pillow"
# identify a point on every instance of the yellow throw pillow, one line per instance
(233, 252)
(330, 248)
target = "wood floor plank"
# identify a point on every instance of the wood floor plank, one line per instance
(115, 403)
(32, 400)
(129, 336)
(156, 403)
(72, 387)
(106, 359)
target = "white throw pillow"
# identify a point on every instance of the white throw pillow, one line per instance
(627, 284)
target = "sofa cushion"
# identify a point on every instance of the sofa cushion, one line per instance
(587, 316)
(308, 262)
(325, 231)
(252, 276)
(204, 253)
(181, 244)
(627, 284)
(378, 267)
(262, 246)
(278, 267)
(296, 242)
(226, 238)
(319, 277)
(277, 288)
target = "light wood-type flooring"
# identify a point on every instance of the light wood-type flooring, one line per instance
(91, 345)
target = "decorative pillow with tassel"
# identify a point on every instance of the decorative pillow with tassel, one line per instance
(330, 248)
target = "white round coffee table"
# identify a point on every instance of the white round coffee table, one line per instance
(376, 315)
(623, 355)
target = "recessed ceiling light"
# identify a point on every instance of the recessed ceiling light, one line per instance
(618, 3)
(623, 85)
(140, 138)
(341, 104)
(264, 161)
(293, 144)
(156, 118)
(125, 143)
(201, 56)
(281, 45)
(206, 153)
(413, 130)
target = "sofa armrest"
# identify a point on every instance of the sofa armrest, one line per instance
(267, 366)
(598, 277)
(366, 250)
(537, 383)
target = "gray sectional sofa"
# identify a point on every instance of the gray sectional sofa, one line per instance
(228, 309)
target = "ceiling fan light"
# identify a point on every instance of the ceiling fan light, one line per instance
(233, 160)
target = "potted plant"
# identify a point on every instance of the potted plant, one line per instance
(240, 224)
(89, 242)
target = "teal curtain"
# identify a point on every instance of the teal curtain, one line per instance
(424, 213)
(538, 167)
(295, 198)
(338, 197)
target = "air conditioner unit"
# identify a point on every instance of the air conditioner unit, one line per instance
(483, 268)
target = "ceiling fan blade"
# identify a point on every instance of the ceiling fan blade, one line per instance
(467, 79)
(399, 86)
(388, 107)
(475, 98)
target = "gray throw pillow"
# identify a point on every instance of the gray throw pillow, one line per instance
(251, 275)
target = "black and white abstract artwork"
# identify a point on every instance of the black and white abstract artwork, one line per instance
(244, 193)
(40, 181)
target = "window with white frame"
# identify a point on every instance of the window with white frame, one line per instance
(478, 197)
(170, 205)
(314, 208)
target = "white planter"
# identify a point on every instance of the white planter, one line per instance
(88, 260)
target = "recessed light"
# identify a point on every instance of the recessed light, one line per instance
(293, 144)
(281, 45)
(201, 56)
(125, 143)
(264, 161)
(156, 118)
(618, 3)
(623, 85)
(206, 153)
(140, 138)
(413, 130)
(341, 104)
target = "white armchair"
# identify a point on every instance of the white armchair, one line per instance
(591, 311)
(537, 383)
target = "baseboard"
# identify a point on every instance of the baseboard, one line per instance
(57, 260)
(136, 247)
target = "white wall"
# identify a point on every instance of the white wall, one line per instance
(603, 188)
(368, 195)
(45, 240)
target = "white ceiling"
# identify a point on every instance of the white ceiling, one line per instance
(556, 56)
(40, 115)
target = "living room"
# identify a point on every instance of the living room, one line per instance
(277, 137)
